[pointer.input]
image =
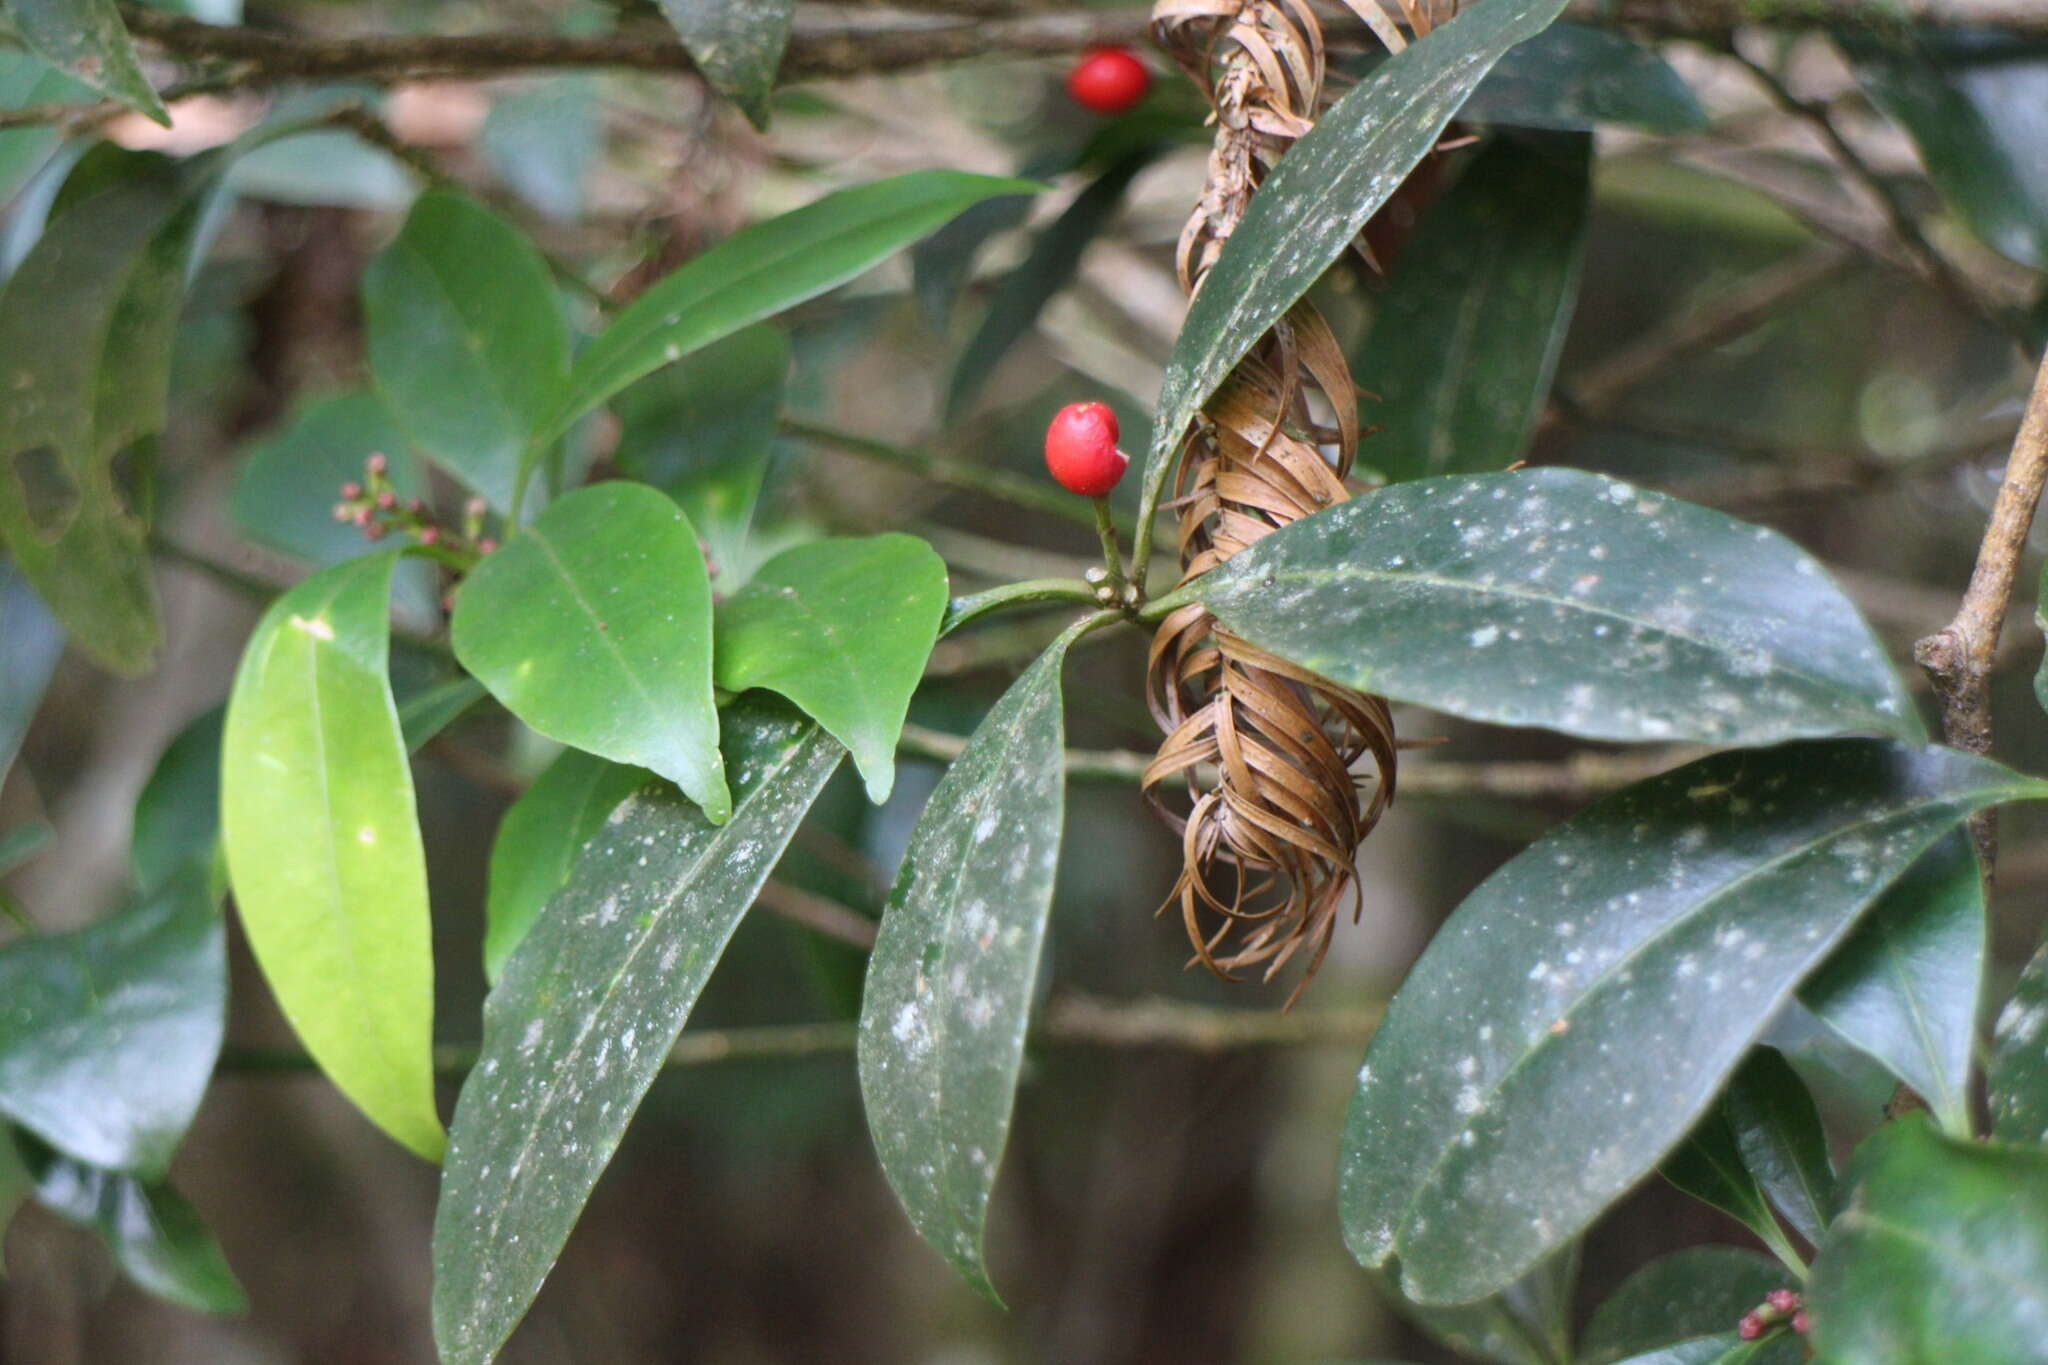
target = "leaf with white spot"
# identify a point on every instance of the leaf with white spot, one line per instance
(87, 39)
(1563, 599)
(737, 44)
(1581, 1009)
(950, 981)
(587, 1009)
(2019, 1058)
(323, 844)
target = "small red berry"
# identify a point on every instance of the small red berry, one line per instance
(1080, 449)
(430, 535)
(486, 545)
(351, 491)
(1801, 1323)
(377, 464)
(1750, 1328)
(1782, 1300)
(1108, 80)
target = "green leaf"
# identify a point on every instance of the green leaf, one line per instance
(325, 168)
(761, 270)
(108, 1034)
(737, 44)
(1969, 101)
(1577, 77)
(1778, 1132)
(1319, 197)
(586, 1012)
(425, 713)
(540, 839)
(1906, 986)
(1728, 1348)
(86, 323)
(1709, 1168)
(177, 816)
(593, 625)
(843, 629)
(544, 139)
(1466, 335)
(1940, 1257)
(1528, 1323)
(1557, 598)
(323, 844)
(1051, 266)
(950, 981)
(25, 80)
(2019, 1058)
(86, 39)
(466, 338)
(1578, 1013)
(156, 1237)
(2041, 624)
(1699, 1292)
(22, 843)
(34, 644)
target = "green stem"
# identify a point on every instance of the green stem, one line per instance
(1112, 556)
(1031, 592)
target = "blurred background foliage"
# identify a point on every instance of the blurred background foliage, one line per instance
(1837, 349)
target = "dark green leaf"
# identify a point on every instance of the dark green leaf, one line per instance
(323, 844)
(942, 264)
(1580, 1010)
(2019, 1058)
(539, 840)
(593, 625)
(86, 39)
(34, 644)
(1971, 107)
(23, 842)
(1698, 1292)
(1709, 1168)
(2041, 620)
(177, 816)
(1726, 1349)
(466, 338)
(761, 270)
(842, 628)
(430, 710)
(155, 1236)
(86, 324)
(1576, 76)
(1563, 599)
(586, 1012)
(543, 139)
(1941, 1256)
(950, 981)
(108, 1034)
(737, 44)
(1906, 986)
(1528, 1323)
(1778, 1132)
(1317, 199)
(1054, 260)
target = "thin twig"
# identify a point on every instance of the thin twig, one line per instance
(815, 913)
(1036, 495)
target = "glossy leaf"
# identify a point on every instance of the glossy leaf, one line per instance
(593, 625)
(1319, 196)
(544, 139)
(86, 39)
(1778, 1133)
(86, 324)
(842, 628)
(1727, 1348)
(1708, 1166)
(177, 816)
(1699, 1292)
(1906, 986)
(950, 981)
(2019, 1058)
(737, 44)
(323, 844)
(761, 270)
(1563, 599)
(156, 1237)
(586, 1012)
(1528, 1323)
(34, 644)
(1577, 77)
(1628, 959)
(540, 839)
(108, 1034)
(1940, 1257)
(466, 338)
(1466, 335)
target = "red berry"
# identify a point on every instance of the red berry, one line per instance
(1108, 80)
(1080, 449)
(1801, 1323)
(1782, 1300)
(1750, 1328)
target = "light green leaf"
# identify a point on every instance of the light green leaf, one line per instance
(1466, 335)
(324, 168)
(737, 44)
(25, 79)
(108, 1034)
(466, 337)
(1579, 1012)
(1577, 76)
(87, 39)
(1699, 1292)
(540, 839)
(843, 629)
(34, 644)
(323, 844)
(1563, 599)
(86, 324)
(593, 625)
(586, 1012)
(1941, 1256)
(1906, 986)
(758, 272)
(950, 981)
(155, 1236)
(544, 139)
(1319, 197)
(2019, 1058)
